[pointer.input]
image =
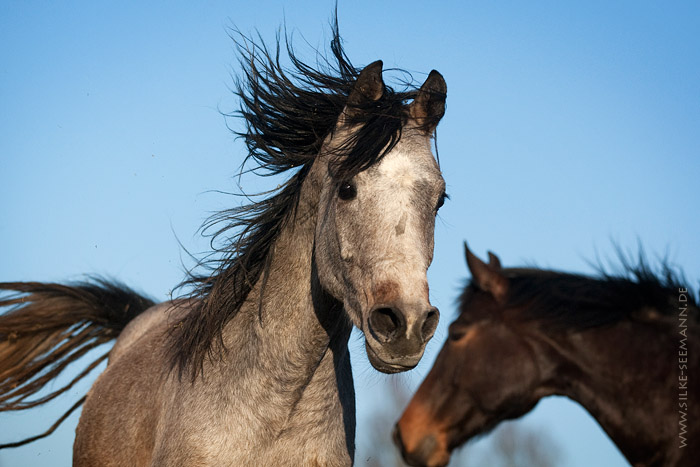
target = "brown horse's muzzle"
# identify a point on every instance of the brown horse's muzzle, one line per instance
(427, 452)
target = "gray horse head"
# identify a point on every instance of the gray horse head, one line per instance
(374, 236)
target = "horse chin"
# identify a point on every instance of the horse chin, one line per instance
(384, 366)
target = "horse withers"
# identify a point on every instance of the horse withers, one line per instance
(623, 347)
(253, 367)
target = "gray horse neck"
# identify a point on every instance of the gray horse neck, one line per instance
(287, 347)
(627, 377)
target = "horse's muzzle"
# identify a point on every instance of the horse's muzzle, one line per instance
(425, 453)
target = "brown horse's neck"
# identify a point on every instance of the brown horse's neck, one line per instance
(627, 377)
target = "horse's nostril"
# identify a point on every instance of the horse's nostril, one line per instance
(384, 323)
(430, 324)
(396, 435)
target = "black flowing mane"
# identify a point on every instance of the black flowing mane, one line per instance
(574, 301)
(288, 112)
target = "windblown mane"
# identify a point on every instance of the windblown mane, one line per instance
(575, 301)
(287, 111)
(579, 302)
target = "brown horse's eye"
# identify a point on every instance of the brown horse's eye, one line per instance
(455, 333)
(347, 191)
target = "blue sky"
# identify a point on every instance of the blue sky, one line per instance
(567, 126)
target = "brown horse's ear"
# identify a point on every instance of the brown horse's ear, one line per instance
(494, 262)
(369, 87)
(488, 277)
(429, 105)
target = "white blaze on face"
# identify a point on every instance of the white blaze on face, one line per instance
(400, 194)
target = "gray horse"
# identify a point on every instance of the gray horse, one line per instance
(252, 368)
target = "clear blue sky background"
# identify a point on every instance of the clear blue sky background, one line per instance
(568, 125)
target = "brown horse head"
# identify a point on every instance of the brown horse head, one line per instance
(523, 334)
(485, 373)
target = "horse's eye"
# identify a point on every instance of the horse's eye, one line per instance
(347, 191)
(441, 200)
(455, 333)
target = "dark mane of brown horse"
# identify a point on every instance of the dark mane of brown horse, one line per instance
(287, 112)
(576, 301)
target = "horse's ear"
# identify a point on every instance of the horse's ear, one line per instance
(494, 262)
(488, 277)
(429, 105)
(369, 86)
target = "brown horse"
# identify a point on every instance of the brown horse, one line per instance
(253, 367)
(625, 348)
